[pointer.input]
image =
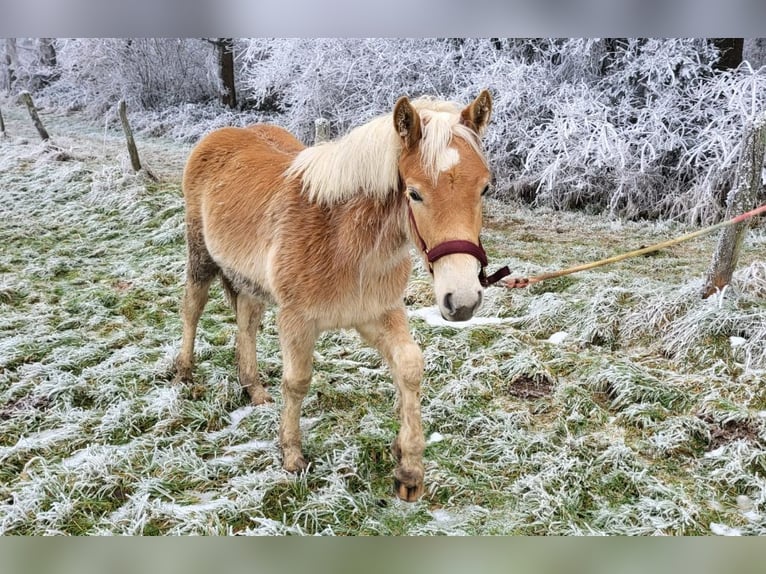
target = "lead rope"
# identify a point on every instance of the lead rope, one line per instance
(521, 282)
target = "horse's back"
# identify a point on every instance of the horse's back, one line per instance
(218, 160)
(279, 138)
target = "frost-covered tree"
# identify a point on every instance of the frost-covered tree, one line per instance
(10, 64)
(47, 52)
(225, 50)
(27, 64)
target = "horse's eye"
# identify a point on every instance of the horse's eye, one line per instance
(414, 195)
(485, 191)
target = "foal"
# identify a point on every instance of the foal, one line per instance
(324, 233)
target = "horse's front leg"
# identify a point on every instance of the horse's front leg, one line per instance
(390, 335)
(297, 338)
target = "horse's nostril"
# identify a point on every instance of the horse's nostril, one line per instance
(448, 305)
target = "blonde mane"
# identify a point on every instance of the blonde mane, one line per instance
(366, 160)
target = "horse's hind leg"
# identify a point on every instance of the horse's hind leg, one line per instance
(297, 338)
(390, 335)
(249, 313)
(200, 272)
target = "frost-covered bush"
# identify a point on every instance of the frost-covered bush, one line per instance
(149, 73)
(347, 80)
(657, 135)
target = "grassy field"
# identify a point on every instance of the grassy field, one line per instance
(611, 402)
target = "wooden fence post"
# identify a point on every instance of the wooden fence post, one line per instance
(132, 149)
(742, 197)
(26, 97)
(321, 130)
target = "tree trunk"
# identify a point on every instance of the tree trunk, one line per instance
(11, 62)
(742, 198)
(225, 48)
(46, 52)
(2, 125)
(27, 99)
(731, 52)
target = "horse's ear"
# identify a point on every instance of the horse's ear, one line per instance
(407, 123)
(476, 114)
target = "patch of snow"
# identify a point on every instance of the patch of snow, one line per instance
(252, 445)
(723, 530)
(737, 341)
(183, 510)
(440, 515)
(307, 423)
(558, 338)
(433, 317)
(434, 438)
(223, 460)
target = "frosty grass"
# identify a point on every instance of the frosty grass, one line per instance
(611, 402)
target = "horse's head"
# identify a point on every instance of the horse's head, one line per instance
(444, 176)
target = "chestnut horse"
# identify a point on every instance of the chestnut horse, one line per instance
(323, 232)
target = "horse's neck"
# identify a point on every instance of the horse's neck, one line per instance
(377, 228)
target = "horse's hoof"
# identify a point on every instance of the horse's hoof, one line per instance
(408, 484)
(408, 493)
(295, 464)
(182, 373)
(259, 395)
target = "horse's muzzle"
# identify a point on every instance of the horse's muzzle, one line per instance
(452, 312)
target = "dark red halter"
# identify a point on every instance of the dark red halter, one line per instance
(457, 246)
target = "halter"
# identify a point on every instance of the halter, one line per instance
(457, 246)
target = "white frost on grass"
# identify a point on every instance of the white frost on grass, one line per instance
(91, 282)
(236, 416)
(41, 440)
(163, 403)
